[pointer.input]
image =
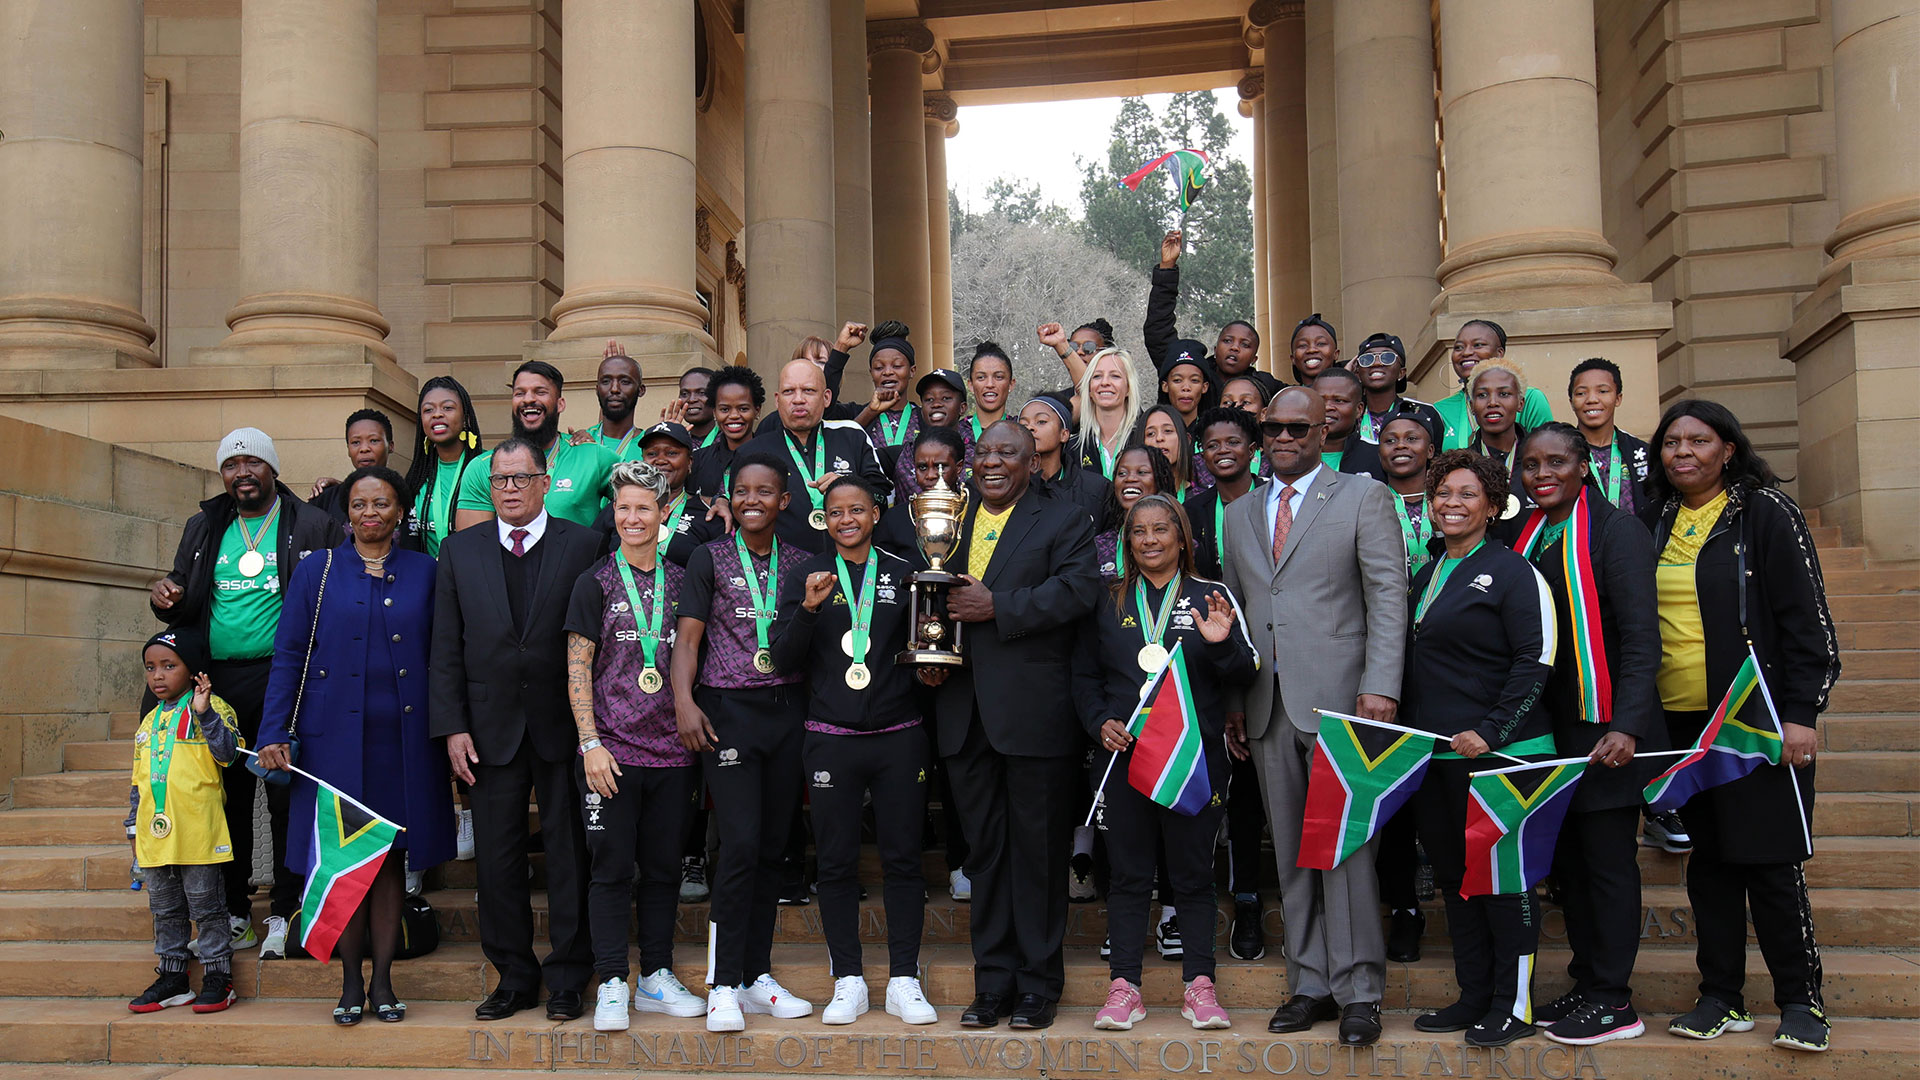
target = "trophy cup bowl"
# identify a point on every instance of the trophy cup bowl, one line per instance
(937, 513)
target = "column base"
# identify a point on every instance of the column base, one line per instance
(663, 358)
(1858, 386)
(307, 320)
(60, 331)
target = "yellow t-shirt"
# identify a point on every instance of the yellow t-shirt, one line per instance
(987, 527)
(196, 801)
(1683, 637)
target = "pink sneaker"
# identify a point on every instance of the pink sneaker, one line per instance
(1200, 1006)
(1123, 1008)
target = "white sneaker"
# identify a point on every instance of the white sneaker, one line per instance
(766, 995)
(463, 842)
(610, 1012)
(661, 992)
(959, 886)
(907, 1001)
(416, 882)
(723, 1010)
(849, 1000)
(274, 945)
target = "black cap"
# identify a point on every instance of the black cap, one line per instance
(1425, 420)
(946, 375)
(1188, 351)
(677, 432)
(189, 643)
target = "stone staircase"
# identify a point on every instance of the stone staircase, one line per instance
(75, 943)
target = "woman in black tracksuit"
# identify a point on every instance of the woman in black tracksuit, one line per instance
(1597, 860)
(1737, 569)
(1158, 602)
(843, 617)
(1478, 658)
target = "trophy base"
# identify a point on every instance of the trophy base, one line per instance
(930, 658)
(936, 577)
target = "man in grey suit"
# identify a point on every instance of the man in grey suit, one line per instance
(1316, 560)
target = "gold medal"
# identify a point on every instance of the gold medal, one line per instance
(1151, 658)
(1513, 508)
(252, 563)
(160, 826)
(763, 661)
(650, 681)
(858, 676)
(818, 519)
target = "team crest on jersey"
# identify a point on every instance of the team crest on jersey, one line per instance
(565, 483)
(823, 779)
(618, 607)
(1483, 582)
(841, 464)
(729, 756)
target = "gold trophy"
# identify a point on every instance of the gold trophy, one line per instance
(937, 515)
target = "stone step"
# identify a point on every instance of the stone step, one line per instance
(99, 788)
(106, 754)
(1875, 581)
(1865, 813)
(63, 825)
(1880, 663)
(1899, 607)
(1868, 770)
(1825, 536)
(1859, 983)
(1871, 731)
(1841, 559)
(1858, 695)
(63, 867)
(122, 725)
(296, 1033)
(1865, 862)
(1879, 634)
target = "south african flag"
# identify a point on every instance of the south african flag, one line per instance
(349, 844)
(1361, 775)
(1513, 822)
(1169, 762)
(1736, 740)
(1189, 169)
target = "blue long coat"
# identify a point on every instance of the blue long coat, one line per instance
(332, 721)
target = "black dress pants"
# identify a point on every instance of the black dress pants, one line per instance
(501, 837)
(1597, 863)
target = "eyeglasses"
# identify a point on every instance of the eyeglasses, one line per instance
(519, 481)
(1084, 348)
(1376, 359)
(1297, 429)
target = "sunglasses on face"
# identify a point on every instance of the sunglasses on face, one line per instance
(1376, 359)
(1084, 348)
(1297, 429)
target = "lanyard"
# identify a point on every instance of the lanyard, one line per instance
(650, 630)
(762, 610)
(712, 434)
(167, 727)
(895, 433)
(975, 421)
(859, 605)
(253, 540)
(619, 451)
(1220, 528)
(671, 527)
(1369, 427)
(1106, 457)
(1153, 632)
(1612, 470)
(814, 494)
(441, 516)
(1416, 534)
(1439, 581)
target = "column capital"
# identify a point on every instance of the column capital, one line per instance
(1265, 13)
(941, 107)
(1252, 84)
(909, 34)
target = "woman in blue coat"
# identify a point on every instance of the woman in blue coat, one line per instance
(362, 716)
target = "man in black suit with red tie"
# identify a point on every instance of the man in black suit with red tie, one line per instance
(498, 696)
(1006, 724)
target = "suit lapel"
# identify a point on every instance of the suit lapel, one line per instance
(1317, 495)
(493, 576)
(1019, 523)
(556, 541)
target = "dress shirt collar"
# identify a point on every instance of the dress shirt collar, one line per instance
(536, 529)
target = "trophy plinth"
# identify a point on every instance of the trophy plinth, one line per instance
(937, 513)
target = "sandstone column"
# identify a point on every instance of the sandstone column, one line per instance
(1289, 229)
(309, 179)
(942, 123)
(1323, 168)
(1262, 314)
(627, 84)
(1389, 207)
(1852, 339)
(852, 169)
(902, 288)
(71, 109)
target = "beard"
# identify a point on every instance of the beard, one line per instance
(543, 435)
(617, 412)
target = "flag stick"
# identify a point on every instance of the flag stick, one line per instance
(1779, 728)
(1571, 760)
(1146, 693)
(368, 810)
(1409, 731)
(1100, 793)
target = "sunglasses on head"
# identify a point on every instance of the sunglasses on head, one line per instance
(1383, 358)
(1296, 429)
(1084, 348)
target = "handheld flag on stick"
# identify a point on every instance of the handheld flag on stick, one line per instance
(1513, 822)
(1189, 169)
(1169, 761)
(1361, 774)
(1742, 733)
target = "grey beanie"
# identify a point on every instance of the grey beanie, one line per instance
(250, 442)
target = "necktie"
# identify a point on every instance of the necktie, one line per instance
(520, 549)
(1282, 522)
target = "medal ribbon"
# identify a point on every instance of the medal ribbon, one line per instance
(1439, 581)
(1612, 469)
(166, 728)
(1415, 535)
(253, 540)
(895, 433)
(712, 434)
(650, 631)
(814, 494)
(1158, 629)
(1582, 600)
(1220, 529)
(860, 610)
(671, 527)
(762, 610)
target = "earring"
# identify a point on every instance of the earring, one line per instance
(473, 440)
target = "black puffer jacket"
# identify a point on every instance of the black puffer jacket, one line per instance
(303, 529)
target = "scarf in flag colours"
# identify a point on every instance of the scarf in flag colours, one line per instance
(1583, 603)
(1189, 169)
(1360, 776)
(349, 844)
(1513, 821)
(1727, 749)
(1169, 763)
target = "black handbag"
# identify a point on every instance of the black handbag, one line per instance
(283, 776)
(419, 929)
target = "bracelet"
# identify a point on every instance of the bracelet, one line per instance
(590, 744)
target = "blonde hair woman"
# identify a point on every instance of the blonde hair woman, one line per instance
(1105, 406)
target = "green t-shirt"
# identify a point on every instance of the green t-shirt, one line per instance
(625, 449)
(1331, 458)
(245, 609)
(580, 481)
(1535, 410)
(433, 508)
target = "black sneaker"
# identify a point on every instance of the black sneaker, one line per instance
(1594, 1022)
(1245, 941)
(1458, 1016)
(1403, 936)
(1667, 832)
(1499, 1030)
(693, 881)
(1106, 947)
(1710, 1018)
(1167, 939)
(216, 992)
(1802, 1027)
(1559, 1008)
(793, 884)
(168, 990)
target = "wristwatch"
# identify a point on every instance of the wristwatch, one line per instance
(590, 744)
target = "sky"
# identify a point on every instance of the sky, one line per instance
(1038, 143)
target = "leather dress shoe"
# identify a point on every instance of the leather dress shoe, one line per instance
(1302, 1012)
(986, 1010)
(503, 1003)
(564, 1005)
(1360, 1023)
(1033, 1011)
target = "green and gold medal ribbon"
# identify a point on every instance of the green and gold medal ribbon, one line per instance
(859, 606)
(762, 606)
(1153, 630)
(649, 631)
(893, 434)
(1415, 534)
(167, 726)
(671, 526)
(818, 519)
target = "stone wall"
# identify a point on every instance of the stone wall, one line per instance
(85, 528)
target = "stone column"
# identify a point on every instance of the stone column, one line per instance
(1289, 230)
(1262, 314)
(790, 177)
(309, 182)
(942, 123)
(1323, 167)
(852, 169)
(1852, 339)
(71, 110)
(628, 90)
(1389, 207)
(902, 289)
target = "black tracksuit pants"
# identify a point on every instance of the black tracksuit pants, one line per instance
(1776, 893)
(754, 774)
(243, 685)
(1133, 824)
(1597, 863)
(840, 770)
(1494, 937)
(641, 823)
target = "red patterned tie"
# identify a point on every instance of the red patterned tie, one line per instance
(1282, 522)
(520, 549)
